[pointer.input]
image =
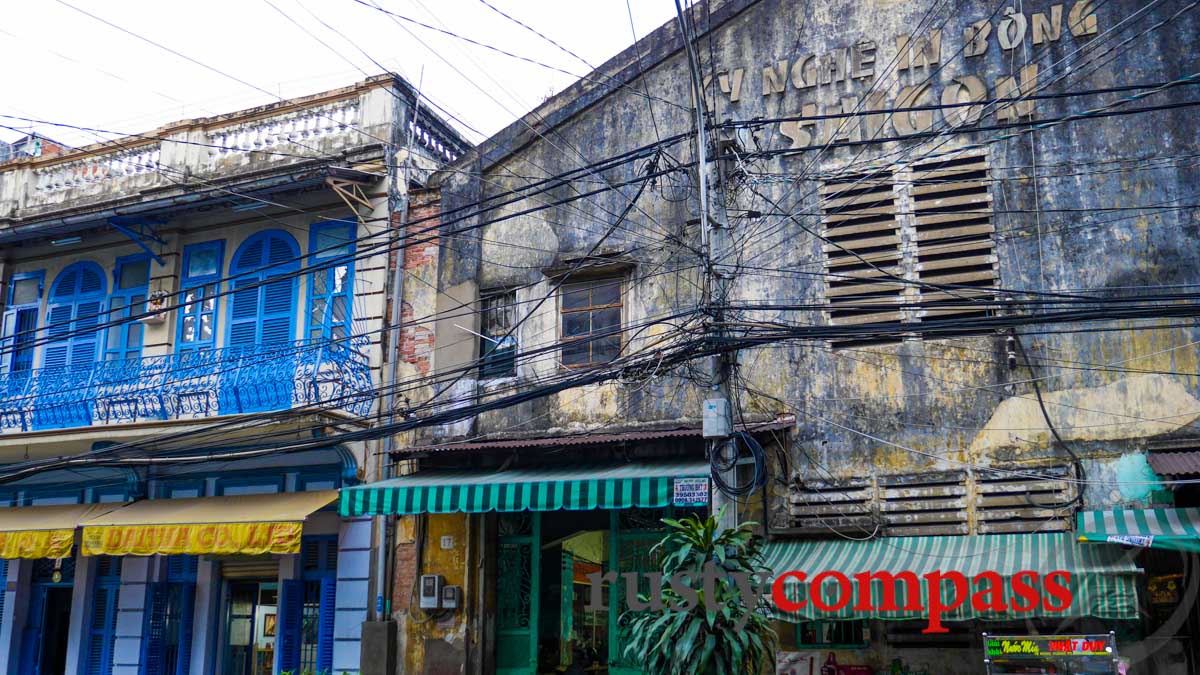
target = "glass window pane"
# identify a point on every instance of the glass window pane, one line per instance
(189, 329)
(190, 296)
(339, 275)
(206, 332)
(202, 261)
(575, 323)
(606, 293)
(114, 337)
(134, 274)
(604, 319)
(606, 349)
(134, 337)
(25, 291)
(320, 283)
(575, 297)
(117, 303)
(317, 311)
(340, 312)
(339, 239)
(575, 353)
(210, 303)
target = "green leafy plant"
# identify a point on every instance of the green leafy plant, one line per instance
(714, 626)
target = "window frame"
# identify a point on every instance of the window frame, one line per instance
(126, 317)
(327, 323)
(486, 341)
(264, 276)
(14, 309)
(621, 281)
(73, 334)
(188, 283)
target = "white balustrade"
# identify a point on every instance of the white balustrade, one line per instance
(93, 169)
(289, 132)
(430, 142)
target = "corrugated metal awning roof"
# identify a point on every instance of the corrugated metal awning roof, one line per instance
(1175, 463)
(783, 422)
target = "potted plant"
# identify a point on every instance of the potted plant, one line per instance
(706, 623)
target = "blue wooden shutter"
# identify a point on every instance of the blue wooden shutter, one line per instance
(325, 624)
(8, 331)
(187, 609)
(85, 342)
(23, 334)
(102, 635)
(279, 302)
(58, 322)
(291, 615)
(154, 635)
(31, 637)
(243, 314)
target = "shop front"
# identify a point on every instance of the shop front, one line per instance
(271, 589)
(558, 535)
(942, 604)
(1165, 542)
(37, 546)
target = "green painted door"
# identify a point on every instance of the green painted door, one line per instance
(633, 533)
(518, 580)
(566, 609)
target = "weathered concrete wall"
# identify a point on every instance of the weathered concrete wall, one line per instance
(949, 402)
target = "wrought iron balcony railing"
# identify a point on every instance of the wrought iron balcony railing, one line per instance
(190, 385)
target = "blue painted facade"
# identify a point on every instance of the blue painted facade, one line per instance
(170, 336)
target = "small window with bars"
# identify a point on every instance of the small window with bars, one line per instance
(497, 334)
(591, 322)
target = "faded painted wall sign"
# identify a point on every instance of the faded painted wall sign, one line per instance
(919, 77)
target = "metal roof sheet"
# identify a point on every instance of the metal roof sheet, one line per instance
(783, 422)
(1175, 463)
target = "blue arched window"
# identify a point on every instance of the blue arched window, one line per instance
(73, 316)
(264, 314)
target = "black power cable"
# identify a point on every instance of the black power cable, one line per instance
(1081, 474)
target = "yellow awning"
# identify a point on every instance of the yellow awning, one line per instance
(247, 524)
(44, 531)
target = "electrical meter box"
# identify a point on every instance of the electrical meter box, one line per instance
(431, 591)
(451, 597)
(717, 421)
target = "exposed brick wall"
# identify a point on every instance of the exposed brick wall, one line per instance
(421, 253)
(404, 576)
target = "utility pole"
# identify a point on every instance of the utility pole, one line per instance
(718, 279)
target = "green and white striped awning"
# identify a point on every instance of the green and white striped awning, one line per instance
(1175, 529)
(1103, 579)
(574, 488)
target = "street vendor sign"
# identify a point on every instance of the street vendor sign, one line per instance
(1032, 647)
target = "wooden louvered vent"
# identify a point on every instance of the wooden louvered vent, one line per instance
(833, 507)
(924, 504)
(862, 248)
(1019, 501)
(952, 216)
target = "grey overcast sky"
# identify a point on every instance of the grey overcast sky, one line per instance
(66, 67)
